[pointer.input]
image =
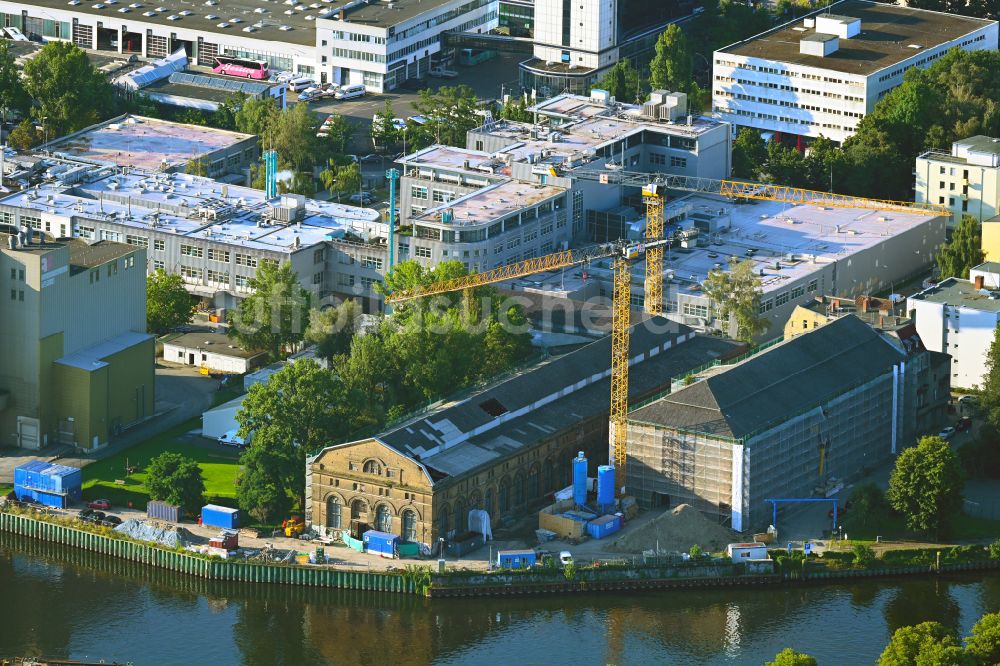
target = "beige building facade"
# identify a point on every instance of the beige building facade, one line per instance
(78, 365)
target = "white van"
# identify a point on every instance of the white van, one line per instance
(350, 92)
(301, 83)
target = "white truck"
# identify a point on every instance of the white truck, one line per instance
(442, 73)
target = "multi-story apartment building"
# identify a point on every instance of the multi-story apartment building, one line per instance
(959, 318)
(966, 180)
(78, 365)
(381, 44)
(374, 42)
(821, 74)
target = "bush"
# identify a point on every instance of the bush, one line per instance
(995, 550)
(864, 556)
(695, 552)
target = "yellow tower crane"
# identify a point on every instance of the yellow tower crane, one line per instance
(622, 253)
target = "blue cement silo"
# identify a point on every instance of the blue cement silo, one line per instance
(580, 479)
(605, 486)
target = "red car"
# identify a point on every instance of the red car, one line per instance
(101, 504)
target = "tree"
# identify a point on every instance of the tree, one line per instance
(912, 646)
(863, 555)
(299, 410)
(516, 110)
(672, 68)
(749, 154)
(24, 136)
(168, 304)
(384, 132)
(339, 133)
(868, 507)
(69, 92)
(450, 113)
(192, 117)
(13, 95)
(175, 479)
(294, 137)
(735, 295)
(341, 179)
(926, 486)
(621, 81)
(989, 393)
(225, 116)
(262, 491)
(257, 116)
(789, 657)
(275, 315)
(984, 643)
(196, 166)
(963, 251)
(332, 330)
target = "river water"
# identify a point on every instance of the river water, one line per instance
(61, 602)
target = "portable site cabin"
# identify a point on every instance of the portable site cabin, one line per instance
(741, 552)
(48, 484)
(516, 559)
(213, 515)
(382, 543)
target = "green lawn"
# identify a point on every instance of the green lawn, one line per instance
(219, 466)
(891, 527)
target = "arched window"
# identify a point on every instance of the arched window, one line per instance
(409, 525)
(461, 516)
(519, 488)
(372, 467)
(490, 502)
(533, 483)
(443, 521)
(383, 519)
(333, 513)
(549, 475)
(475, 500)
(359, 509)
(504, 496)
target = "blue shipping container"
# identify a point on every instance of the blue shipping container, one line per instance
(603, 526)
(516, 559)
(213, 515)
(382, 543)
(52, 485)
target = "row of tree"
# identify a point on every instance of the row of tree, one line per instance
(422, 353)
(927, 643)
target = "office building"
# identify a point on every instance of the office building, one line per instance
(821, 74)
(577, 41)
(798, 252)
(966, 180)
(503, 450)
(959, 318)
(371, 42)
(826, 406)
(78, 366)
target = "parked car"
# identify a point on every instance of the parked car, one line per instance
(110, 521)
(565, 557)
(947, 433)
(96, 517)
(418, 120)
(231, 438)
(969, 400)
(441, 72)
(363, 198)
(963, 424)
(102, 504)
(372, 157)
(85, 514)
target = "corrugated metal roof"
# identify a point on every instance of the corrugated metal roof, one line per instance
(47, 468)
(789, 378)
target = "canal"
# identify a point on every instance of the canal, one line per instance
(61, 602)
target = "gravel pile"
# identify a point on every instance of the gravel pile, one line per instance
(143, 531)
(676, 530)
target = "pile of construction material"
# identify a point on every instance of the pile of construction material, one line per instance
(675, 531)
(171, 537)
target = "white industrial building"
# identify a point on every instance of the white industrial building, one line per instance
(960, 318)
(374, 42)
(214, 352)
(821, 74)
(966, 180)
(221, 419)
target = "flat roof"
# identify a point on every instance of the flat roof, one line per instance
(144, 142)
(380, 14)
(570, 106)
(451, 157)
(169, 203)
(92, 358)
(771, 230)
(492, 203)
(273, 15)
(887, 31)
(960, 293)
(81, 253)
(217, 343)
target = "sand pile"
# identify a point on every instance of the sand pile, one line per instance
(675, 530)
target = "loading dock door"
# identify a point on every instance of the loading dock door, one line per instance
(27, 433)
